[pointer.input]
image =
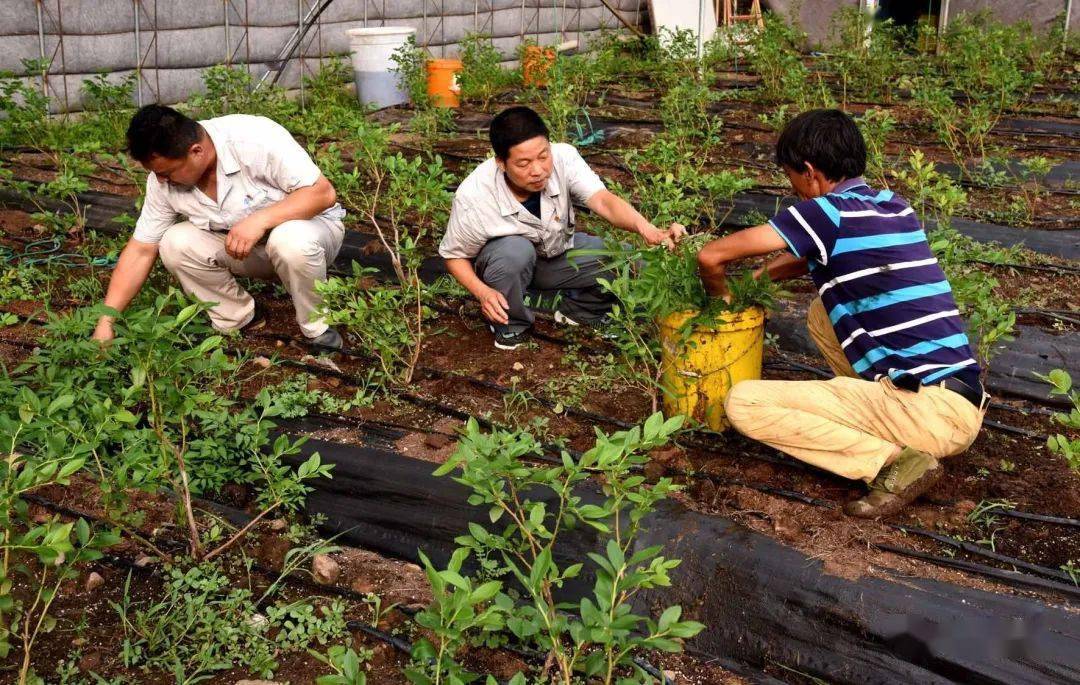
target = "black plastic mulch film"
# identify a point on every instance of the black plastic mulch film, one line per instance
(763, 602)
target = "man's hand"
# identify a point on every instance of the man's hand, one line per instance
(677, 232)
(243, 237)
(103, 332)
(493, 306)
(654, 236)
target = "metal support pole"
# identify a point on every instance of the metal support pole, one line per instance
(700, 29)
(300, 28)
(138, 55)
(1065, 29)
(63, 55)
(41, 49)
(869, 8)
(942, 25)
(228, 41)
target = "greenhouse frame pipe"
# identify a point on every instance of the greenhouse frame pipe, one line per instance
(278, 64)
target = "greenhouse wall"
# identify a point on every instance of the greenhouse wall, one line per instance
(171, 43)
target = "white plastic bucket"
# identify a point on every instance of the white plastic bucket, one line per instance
(376, 83)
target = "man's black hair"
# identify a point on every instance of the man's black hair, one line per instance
(826, 138)
(160, 130)
(512, 126)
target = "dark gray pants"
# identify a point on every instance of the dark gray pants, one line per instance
(511, 266)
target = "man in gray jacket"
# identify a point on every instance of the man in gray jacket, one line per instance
(512, 224)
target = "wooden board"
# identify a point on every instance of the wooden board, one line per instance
(683, 14)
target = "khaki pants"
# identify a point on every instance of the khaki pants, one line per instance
(297, 252)
(848, 425)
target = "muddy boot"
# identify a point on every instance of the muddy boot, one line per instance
(897, 485)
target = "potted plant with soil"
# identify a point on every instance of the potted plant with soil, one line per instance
(693, 347)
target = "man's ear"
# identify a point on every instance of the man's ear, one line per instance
(808, 170)
(501, 163)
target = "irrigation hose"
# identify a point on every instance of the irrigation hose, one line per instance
(1013, 578)
(981, 551)
(47, 251)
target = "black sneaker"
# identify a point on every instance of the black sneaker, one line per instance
(329, 341)
(604, 327)
(505, 340)
(258, 320)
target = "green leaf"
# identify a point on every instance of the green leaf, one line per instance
(670, 615)
(82, 531)
(60, 403)
(485, 591)
(186, 313)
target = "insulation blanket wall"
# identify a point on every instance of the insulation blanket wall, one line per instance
(764, 603)
(178, 40)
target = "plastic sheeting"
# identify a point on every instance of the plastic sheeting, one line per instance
(177, 40)
(763, 603)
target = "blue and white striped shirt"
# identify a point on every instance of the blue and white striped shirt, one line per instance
(887, 297)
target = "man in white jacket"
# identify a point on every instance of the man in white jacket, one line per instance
(230, 196)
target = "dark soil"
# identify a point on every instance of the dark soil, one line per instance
(722, 473)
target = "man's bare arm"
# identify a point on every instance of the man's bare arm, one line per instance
(132, 269)
(784, 267)
(715, 256)
(302, 203)
(492, 303)
(621, 214)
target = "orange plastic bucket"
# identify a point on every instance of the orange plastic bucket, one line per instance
(536, 65)
(442, 82)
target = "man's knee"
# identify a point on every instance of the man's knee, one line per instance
(506, 256)
(293, 242)
(177, 244)
(741, 403)
(820, 326)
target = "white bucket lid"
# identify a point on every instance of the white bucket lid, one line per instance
(379, 31)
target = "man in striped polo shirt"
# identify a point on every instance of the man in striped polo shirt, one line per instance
(907, 389)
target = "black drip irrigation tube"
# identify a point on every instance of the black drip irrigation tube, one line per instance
(979, 550)
(1013, 578)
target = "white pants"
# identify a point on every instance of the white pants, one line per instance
(297, 252)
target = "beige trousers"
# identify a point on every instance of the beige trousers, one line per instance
(848, 425)
(297, 252)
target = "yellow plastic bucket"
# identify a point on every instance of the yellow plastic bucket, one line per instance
(698, 369)
(442, 82)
